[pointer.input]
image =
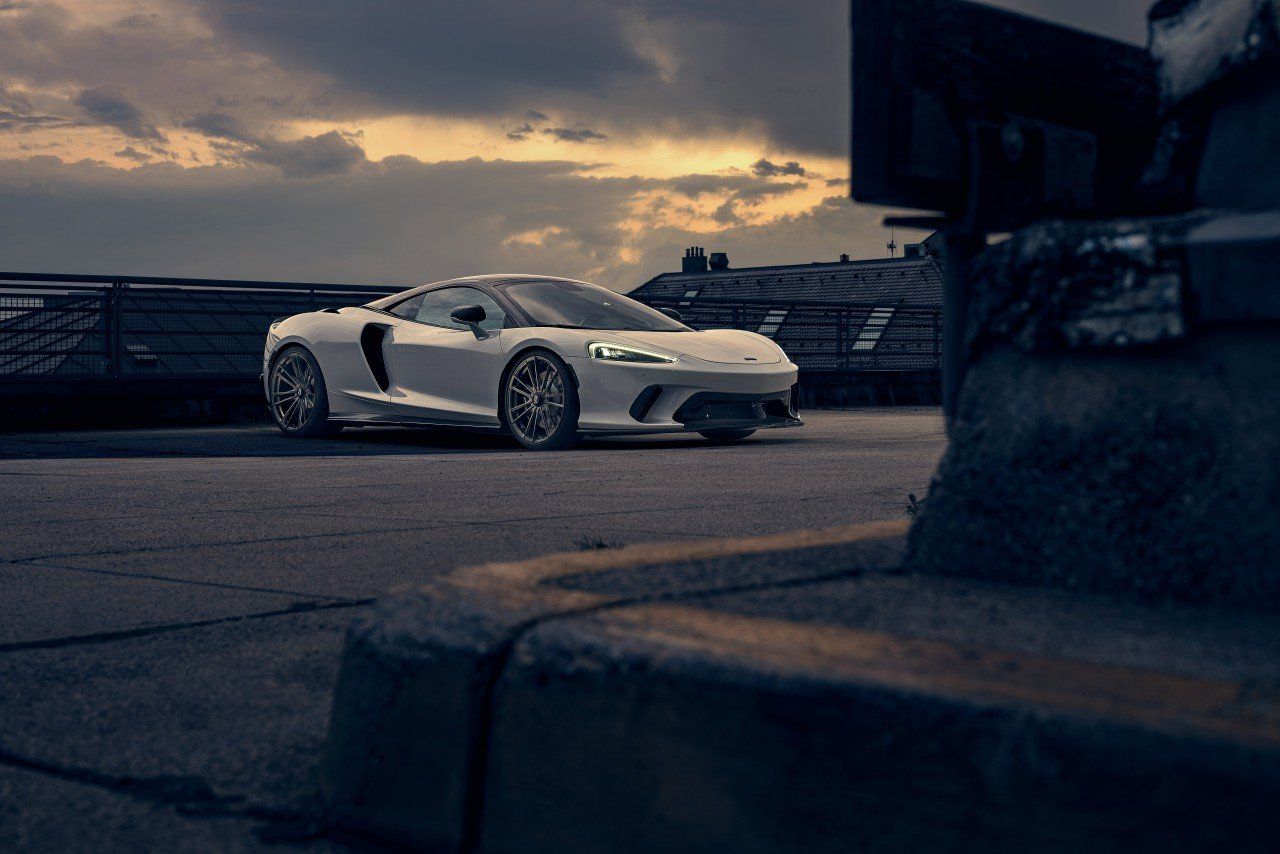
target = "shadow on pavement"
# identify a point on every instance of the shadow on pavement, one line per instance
(265, 441)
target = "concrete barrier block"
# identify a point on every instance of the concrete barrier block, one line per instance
(675, 729)
(412, 709)
(640, 699)
(1141, 472)
(412, 703)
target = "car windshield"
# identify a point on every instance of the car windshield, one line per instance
(578, 305)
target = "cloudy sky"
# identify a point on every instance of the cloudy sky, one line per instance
(402, 141)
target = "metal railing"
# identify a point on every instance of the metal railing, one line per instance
(826, 336)
(55, 326)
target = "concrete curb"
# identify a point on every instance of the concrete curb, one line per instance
(499, 709)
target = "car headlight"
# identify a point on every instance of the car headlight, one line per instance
(622, 353)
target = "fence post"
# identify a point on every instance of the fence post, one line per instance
(115, 340)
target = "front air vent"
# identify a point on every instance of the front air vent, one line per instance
(371, 338)
(644, 402)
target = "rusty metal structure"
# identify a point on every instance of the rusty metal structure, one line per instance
(1111, 351)
(1148, 173)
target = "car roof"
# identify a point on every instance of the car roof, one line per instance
(489, 279)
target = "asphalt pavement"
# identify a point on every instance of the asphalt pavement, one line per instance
(177, 598)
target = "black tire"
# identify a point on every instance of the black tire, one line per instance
(726, 435)
(295, 375)
(535, 405)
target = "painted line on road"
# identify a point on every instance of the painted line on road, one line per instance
(1158, 700)
(548, 567)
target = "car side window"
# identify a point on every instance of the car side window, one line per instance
(438, 305)
(407, 309)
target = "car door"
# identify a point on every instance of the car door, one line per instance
(439, 369)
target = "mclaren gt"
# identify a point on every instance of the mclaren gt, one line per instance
(544, 359)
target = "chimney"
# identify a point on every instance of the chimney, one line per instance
(694, 260)
(719, 261)
(914, 250)
(844, 257)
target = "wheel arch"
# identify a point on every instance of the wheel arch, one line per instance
(324, 427)
(524, 349)
(283, 346)
(286, 344)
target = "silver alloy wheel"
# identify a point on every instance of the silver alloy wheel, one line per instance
(535, 399)
(293, 390)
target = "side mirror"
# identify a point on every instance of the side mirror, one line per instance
(673, 314)
(472, 316)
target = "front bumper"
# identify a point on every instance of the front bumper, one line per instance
(685, 396)
(709, 410)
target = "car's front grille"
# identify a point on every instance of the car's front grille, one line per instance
(706, 407)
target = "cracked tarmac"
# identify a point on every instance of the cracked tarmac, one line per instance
(177, 599)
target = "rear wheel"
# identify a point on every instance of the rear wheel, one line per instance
(726, 435)
(540, 403)
(296, 395)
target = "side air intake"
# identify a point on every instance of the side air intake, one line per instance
(645, 401)
(371, 338)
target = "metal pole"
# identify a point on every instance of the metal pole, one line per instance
(962, 247)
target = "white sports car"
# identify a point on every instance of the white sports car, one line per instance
(548, 360)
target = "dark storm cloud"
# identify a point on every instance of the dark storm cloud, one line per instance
(16, 122)
(765, 168)
(727, 214)
(150, 70)
(774, 64)
(107, 107)
(475, 57)
(759, 192)
(631, 68)
(220, 126)
(521, 133)
(18, 114)
(131, 153)
(376, 224)
(14, 101)
(331, 153)
(741, 187)
(573, 134)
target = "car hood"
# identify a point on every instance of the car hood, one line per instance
(724, 346)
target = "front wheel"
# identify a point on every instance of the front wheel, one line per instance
(726, 435)
(540, 403)
(296, 395)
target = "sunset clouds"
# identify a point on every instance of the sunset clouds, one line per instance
(399, 141)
